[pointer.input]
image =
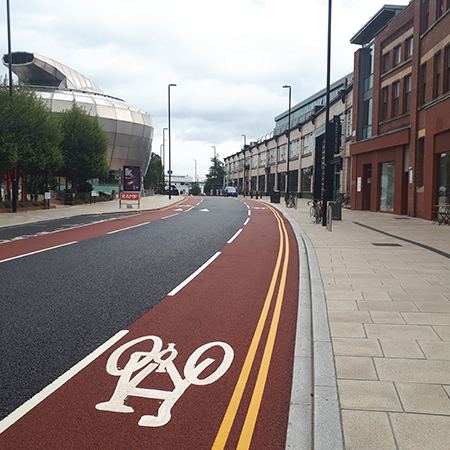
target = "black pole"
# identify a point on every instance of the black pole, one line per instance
(288, 146)
(170, 161)
(326, 169)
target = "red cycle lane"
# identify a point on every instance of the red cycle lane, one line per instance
(42, 242)
(208, 367)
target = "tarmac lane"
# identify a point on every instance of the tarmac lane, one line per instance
(45, 241)
(208, 367)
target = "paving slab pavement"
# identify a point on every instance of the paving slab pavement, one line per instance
(386, 283)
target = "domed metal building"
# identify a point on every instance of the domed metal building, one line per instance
(130, 130)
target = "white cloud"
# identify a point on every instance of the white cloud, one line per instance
(228, 59)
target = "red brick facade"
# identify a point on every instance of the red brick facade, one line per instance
(399, 150)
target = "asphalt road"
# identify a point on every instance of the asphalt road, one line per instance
(58, 306)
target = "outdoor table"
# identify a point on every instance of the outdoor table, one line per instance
(441, 215)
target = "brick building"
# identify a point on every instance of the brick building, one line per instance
(401, 127)
(261, 166)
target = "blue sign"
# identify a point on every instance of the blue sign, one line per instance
(169, 172)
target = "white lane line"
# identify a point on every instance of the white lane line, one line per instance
(38, 251)
(51, 388)
(189, 279)
(246, 222)
(173, 215)
(235, 236)
(128, 228)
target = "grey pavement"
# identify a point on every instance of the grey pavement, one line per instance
(372, 357)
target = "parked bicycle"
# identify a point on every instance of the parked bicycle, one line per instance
(291, 201)
(315, 210)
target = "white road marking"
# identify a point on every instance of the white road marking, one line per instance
(128, 228)
(235, 236)
(189, 279)
(51, 388)
(38, 251)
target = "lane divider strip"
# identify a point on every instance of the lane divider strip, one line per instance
(190, 278)
(38, 251)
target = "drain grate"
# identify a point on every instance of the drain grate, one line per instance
(387, 244)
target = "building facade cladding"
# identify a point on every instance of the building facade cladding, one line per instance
(403, 166)
(268, 167)
(130, 130)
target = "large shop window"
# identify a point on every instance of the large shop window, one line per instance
(387, 187)
(444, 178)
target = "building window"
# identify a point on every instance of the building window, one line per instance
(387, 185)
(385, 62)
(367, 119)
(272, 156)
(420, 167)
(385, 103)
(423, 83)
(262, 159)
(425, 13)
(395, 98)
(306, 179)
(282, 153)
(407, 93)
(444, 178)
(437, 75)
(262, 183)
(397, 55)
(254, 161)
(439, 8)
(409, 47)
(294, 150)
(307, 144)
(447, 68)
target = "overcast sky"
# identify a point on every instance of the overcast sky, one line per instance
(229, 59)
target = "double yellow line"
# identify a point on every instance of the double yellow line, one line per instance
(255, 403)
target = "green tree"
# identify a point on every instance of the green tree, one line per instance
(214, 179)
(84, 146)
(154, 173)
(29, 135)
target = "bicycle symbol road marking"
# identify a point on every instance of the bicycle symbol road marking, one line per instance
(161, 361)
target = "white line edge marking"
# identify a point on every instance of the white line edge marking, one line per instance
(191, 277)
(235, 236)
(52, 387)
(246, 222)
(173, 215)
(128, 228)
(38, 251)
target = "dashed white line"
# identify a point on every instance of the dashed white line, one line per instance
(37, 251)
(128, 228)
(235, 236)
(189, 279)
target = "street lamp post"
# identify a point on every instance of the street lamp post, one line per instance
(195, 177)
(326, 170)
(289, 144)
(170, 162)
(164, 156)
(243, 165)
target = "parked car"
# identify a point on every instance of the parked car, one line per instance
(230, 191)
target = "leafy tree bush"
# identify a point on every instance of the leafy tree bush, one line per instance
(84, 146)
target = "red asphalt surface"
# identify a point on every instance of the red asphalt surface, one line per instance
(222, 304)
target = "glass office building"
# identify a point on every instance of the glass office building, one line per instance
(130, 130)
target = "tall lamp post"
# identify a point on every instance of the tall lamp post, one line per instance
(326, 170)
(195, 176)
(14, 171)
(164, 156)
(243, 165)
(170, 162)
(289, 143)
